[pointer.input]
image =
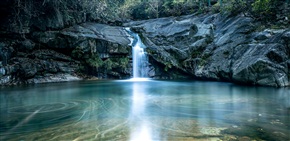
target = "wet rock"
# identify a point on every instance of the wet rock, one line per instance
(35, 66)
(262, 65)
(211, 47)
(218, 47)
(67, 51)
(114, 35)
(213, 131)
(54, 78)
(2, 71)
(6, 52)
(263, 35)
(26, 45)
(5, 79)
(172, 40)
(87, 36)
(244, 138)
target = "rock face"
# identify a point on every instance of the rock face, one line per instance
(209, 47)
(215, 47)
(64, 55)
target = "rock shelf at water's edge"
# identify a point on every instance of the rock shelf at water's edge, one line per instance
(208, 47)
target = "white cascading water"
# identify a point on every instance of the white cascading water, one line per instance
(140, 61)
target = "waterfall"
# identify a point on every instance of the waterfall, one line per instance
(140, 60)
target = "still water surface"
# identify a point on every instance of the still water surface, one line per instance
(144, 111)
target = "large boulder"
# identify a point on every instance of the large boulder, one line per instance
(211, 47)
(218, 47)
(170, 41)
(262, 64)
(90, 48)
(36, 66)
(82, 35)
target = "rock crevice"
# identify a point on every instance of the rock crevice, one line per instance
(217, 47)
(211, 47)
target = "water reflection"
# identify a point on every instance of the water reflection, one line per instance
(145, 110)
(139, 100)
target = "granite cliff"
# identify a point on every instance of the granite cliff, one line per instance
(217, 47)
(208, 47)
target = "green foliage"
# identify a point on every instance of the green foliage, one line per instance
(123, 62)
(266, 10)
(262, 10)
(261, 6)
(24, 13)
(120, 62)
(168, 65)
(235, 6)
(69, 12)
(125, 10)
(216, 8)
(107, 64)
(145, 9)
(77, 53)
(80, 68)
(95, 61)
(195, 53)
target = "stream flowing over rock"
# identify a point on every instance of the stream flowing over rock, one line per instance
(209, 47)
(216, 47)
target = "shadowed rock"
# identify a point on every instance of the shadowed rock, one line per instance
(47, 55)
(210, 47)
(217, 47)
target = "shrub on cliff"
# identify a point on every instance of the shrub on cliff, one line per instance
(267, 10)
(22, 16)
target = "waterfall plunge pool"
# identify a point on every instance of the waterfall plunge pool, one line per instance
(144, 110)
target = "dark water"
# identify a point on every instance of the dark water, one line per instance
(148, 110)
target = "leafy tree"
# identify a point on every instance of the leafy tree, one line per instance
(20, 15)
(265, 10)
(154, 7)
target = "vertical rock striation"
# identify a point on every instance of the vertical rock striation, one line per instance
(217, 47)
(65, 55)
(209, 47)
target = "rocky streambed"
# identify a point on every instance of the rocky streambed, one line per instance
(208, 47)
